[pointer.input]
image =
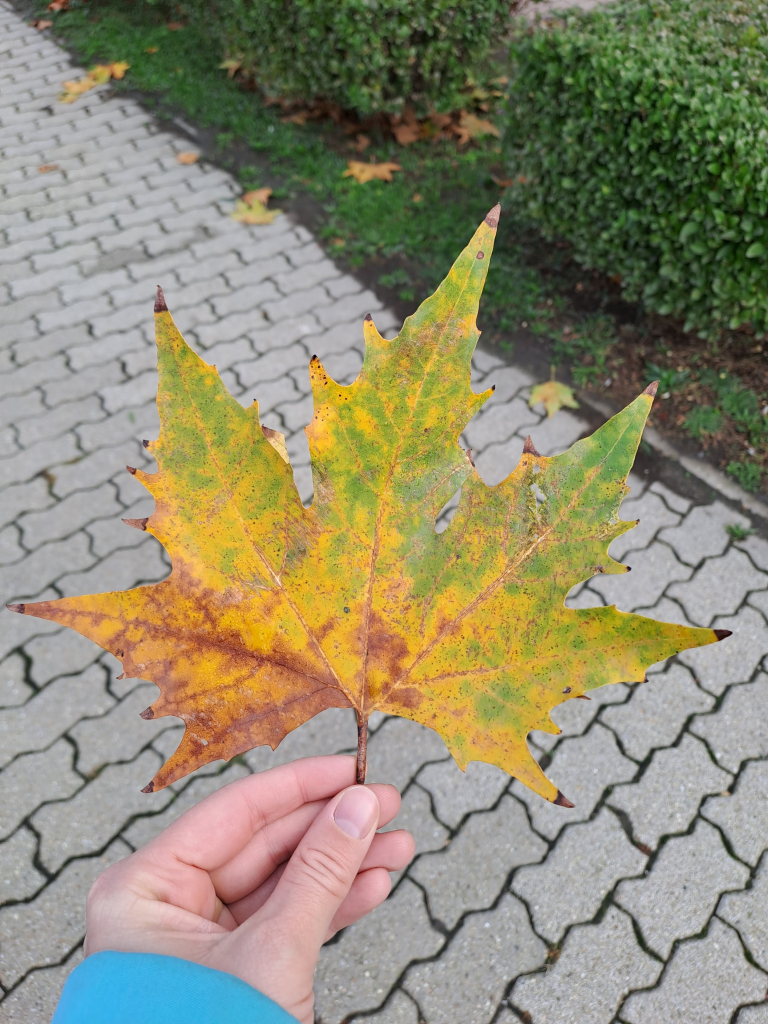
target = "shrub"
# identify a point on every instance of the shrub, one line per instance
(365, 55)
(640, 133)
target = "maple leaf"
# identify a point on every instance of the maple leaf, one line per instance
(473, 127)
(252, 208)
(274, 612)
(554, 396)
(368, 172)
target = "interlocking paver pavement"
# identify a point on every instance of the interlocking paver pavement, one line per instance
(613, 911)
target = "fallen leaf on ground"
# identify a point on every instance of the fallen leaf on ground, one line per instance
(96, 76)
(416, 197)
(406, 128)
(502, 182)
(368, 172)
(41, 24)
(231, 65)
(362, 142)
(151, 49)
(174, 26)
(188, 158)
(473, 127)
(252, 208)
(58, 5)
(274, 612)
(47, 168)
(301, 117)
(554, 396)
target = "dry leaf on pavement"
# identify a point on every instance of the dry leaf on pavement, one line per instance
(188, 158)
(368, 172)
(554, 396)
(252, 208)
(47, 168)
(96, 76)
(40, 24)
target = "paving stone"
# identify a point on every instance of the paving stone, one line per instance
(681, 998)
(718, 587)
(26, 579)
(60, 654)
(68, 515)
(44, 931)
(13, 688)
(400, 1009)
(43, 456)
(399, 748)
(19, 878)
(582, 768)
(571, 884)
(35, 999)
(653, 515)
(743, 815)
(753, 1014)
(36, 724)
(608, 955)
(415, 815)
(471, 872)
(678, 896)
(456, 793)
(331, 732)
(89, 471)
(142, 830)
(653, 569)
(468, 981)
(89, 820)
(757, 549)
(32, 779)
(133, 424)
(736, 732)
(120, 734)
(357, 972)
(574, 716)
(21, 497)
(747, 911)
(735, 659)
(10, 548)
(119, 571)
(702, 534)
(667, 798)
(498, 422)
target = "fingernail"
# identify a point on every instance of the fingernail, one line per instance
(357, 812)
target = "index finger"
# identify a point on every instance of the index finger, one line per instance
(212, 833)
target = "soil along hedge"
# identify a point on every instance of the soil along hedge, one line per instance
(641, 133)
(365, 55)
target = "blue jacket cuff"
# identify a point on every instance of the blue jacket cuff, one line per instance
(125, 988)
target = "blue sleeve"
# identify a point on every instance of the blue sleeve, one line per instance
(128, 988)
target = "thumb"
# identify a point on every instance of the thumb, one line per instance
(324, 865)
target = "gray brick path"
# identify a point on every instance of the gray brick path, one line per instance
(644, 904)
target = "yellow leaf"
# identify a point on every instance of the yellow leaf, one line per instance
(96, 76)
(231, 66)
(118, 69)
(368, 172)
(151, 49)
(188, 158)
(274, 612)
(252, 208)
(472, 127)
(554, 396)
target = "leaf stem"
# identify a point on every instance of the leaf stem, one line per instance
(362, 749)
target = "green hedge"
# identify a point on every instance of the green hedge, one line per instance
(641, 133)
(365, 55)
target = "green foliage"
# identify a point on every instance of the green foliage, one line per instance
(365, 55)
(703, 419)
(669, 379)
(640, 131)
(748, 474)
(740, 403)
(738, 532)
(587, 349)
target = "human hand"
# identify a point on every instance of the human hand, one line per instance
(255, 878)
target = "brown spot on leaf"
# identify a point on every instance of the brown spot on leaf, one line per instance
(652, 388)
(721, 634)
(160, 306)
(137, 524)
(480, 255)
(492, 217)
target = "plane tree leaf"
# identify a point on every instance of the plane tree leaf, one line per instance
(274, 612)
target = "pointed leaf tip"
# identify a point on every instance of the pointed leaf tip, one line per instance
(721, 634)
(137, 524)
(160, 306)
(492, 218)
(368, 317)
(147, 714)
(20, 608)
(131, 470)
(652, 388)
(149, 788)
(563, 801)
(528, 447)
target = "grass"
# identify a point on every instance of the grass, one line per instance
(402, 236)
